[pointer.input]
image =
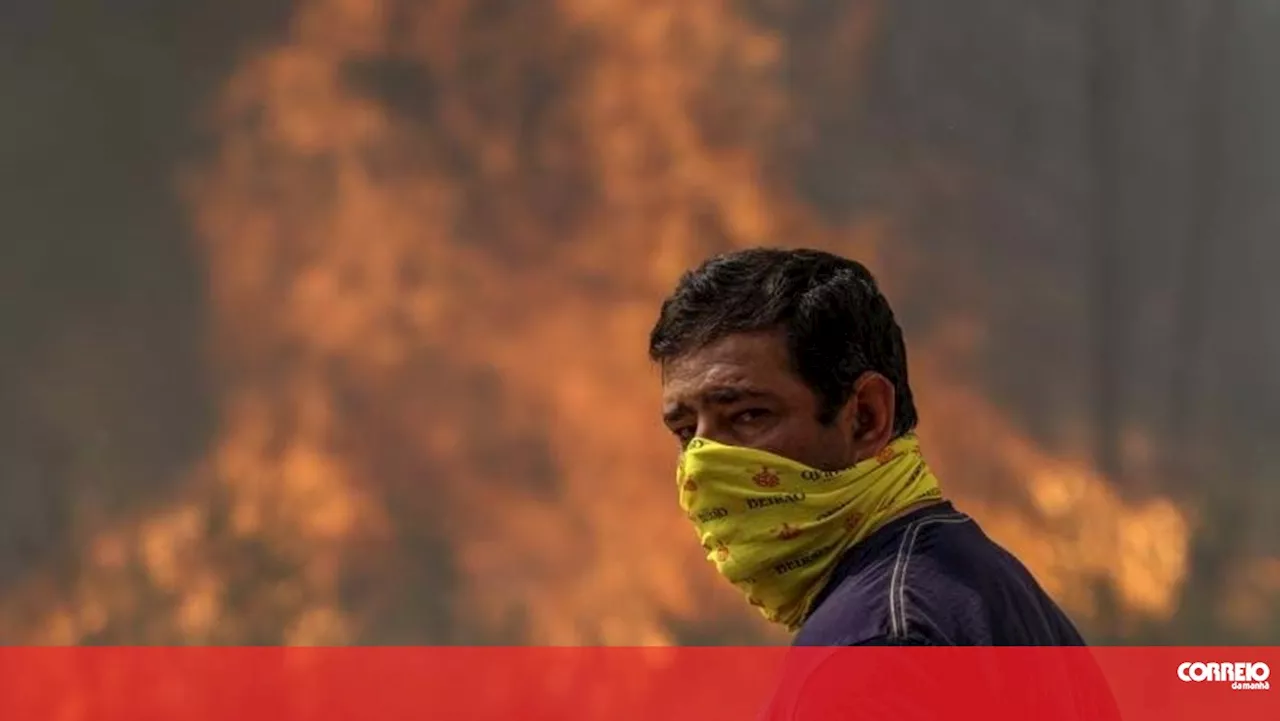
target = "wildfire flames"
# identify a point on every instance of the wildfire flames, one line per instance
(436, 235)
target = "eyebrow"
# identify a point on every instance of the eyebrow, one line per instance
(719, 396)
(723, 395)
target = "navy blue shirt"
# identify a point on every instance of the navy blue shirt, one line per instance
(933, 578)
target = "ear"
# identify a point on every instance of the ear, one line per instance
(871, 413)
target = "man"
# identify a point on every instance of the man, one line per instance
(785, 380)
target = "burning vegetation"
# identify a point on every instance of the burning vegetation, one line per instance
(436, 235)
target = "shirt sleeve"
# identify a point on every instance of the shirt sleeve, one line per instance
(909, 640)
(829, 690)
(885, 683)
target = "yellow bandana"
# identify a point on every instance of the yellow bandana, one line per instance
(775, 528)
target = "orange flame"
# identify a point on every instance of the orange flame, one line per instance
(436, 235)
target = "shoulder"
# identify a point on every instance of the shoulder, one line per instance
(937, 579)
(877, 601)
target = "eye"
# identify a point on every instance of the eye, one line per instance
(750, 415)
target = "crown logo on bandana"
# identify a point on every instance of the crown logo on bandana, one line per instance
(766, 478)
(788, 532)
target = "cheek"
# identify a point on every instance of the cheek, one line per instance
(827, 449)
(808, 443)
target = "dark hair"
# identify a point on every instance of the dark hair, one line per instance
(837, 323)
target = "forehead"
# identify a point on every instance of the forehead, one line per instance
(756, 361)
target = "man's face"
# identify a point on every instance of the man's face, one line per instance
(741, 391)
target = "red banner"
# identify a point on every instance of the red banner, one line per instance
(667, 684)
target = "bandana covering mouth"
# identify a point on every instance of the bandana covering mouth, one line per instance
(776, 528)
